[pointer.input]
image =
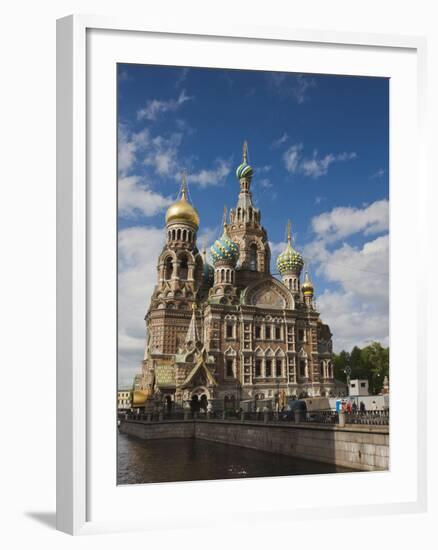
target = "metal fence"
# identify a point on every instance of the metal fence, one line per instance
(298, 416)
(375, 418)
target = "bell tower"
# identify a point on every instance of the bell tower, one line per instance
(245, 227)
(180, 273)
(180, 265)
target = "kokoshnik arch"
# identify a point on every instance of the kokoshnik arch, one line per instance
(231, 330)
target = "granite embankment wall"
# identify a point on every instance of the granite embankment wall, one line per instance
(355, 446)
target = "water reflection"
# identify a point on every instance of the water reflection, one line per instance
(195, 459)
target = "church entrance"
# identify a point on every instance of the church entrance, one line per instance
(199, 400)
(195, 404)
(168, 403)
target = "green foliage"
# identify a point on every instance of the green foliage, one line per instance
(369, 363)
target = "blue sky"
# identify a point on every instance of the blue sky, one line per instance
(319, 148)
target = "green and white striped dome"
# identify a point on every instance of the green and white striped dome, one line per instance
(244, 170)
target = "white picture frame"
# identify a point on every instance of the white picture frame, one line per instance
(76, 211)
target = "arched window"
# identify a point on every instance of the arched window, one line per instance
(168, 268)
(169, 235)
(321, 368)
(222, 275)
(184, 235)
(250, 214)
(330, 369)
(173, 234)
(178, 234)
(183, 267)
(227, 276)
(253, 257)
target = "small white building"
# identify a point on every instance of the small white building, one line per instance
(123, 399)
(358, 388)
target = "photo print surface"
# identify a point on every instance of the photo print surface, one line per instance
(253, 285)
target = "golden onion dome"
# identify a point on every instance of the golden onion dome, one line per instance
(307, 285)
(182, 210)
(139, 398)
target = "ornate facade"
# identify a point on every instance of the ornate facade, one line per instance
(231, 330)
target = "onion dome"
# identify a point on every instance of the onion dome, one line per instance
(244, 170)
(289, 259)
(182, 210)
(224, 249)
(307, 286)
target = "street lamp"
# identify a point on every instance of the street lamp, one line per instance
(347, 372)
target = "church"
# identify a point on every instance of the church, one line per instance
(222, 333)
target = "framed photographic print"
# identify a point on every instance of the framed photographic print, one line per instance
(239, 275)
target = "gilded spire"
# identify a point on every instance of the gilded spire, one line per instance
(183, 189)
(289, 232)
(245, 152)
(224, 219)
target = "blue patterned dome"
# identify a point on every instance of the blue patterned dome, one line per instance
(224, 250)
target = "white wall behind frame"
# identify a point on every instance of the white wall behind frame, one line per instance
(27, 40)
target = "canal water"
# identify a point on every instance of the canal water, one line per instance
(155, 461)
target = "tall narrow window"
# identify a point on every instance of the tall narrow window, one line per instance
(268, 333)
(268, 367)
(229, 331)
(258, 367)
(183, 268)
(253, 257)
(277, 333)
(302, 368)
(168, 268)
(278, 369)
(258, 331)
(229, 368)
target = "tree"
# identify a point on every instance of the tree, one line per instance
(376, 359)
(340, 361)
(369, 363)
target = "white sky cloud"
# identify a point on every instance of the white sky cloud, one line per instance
(357, 310)
(344, 221)
(211, 176)
(353, 322)
(314, 166)
(280, 141)
(156, 107)
(295, 86)
(139, 248)
(135, 197)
